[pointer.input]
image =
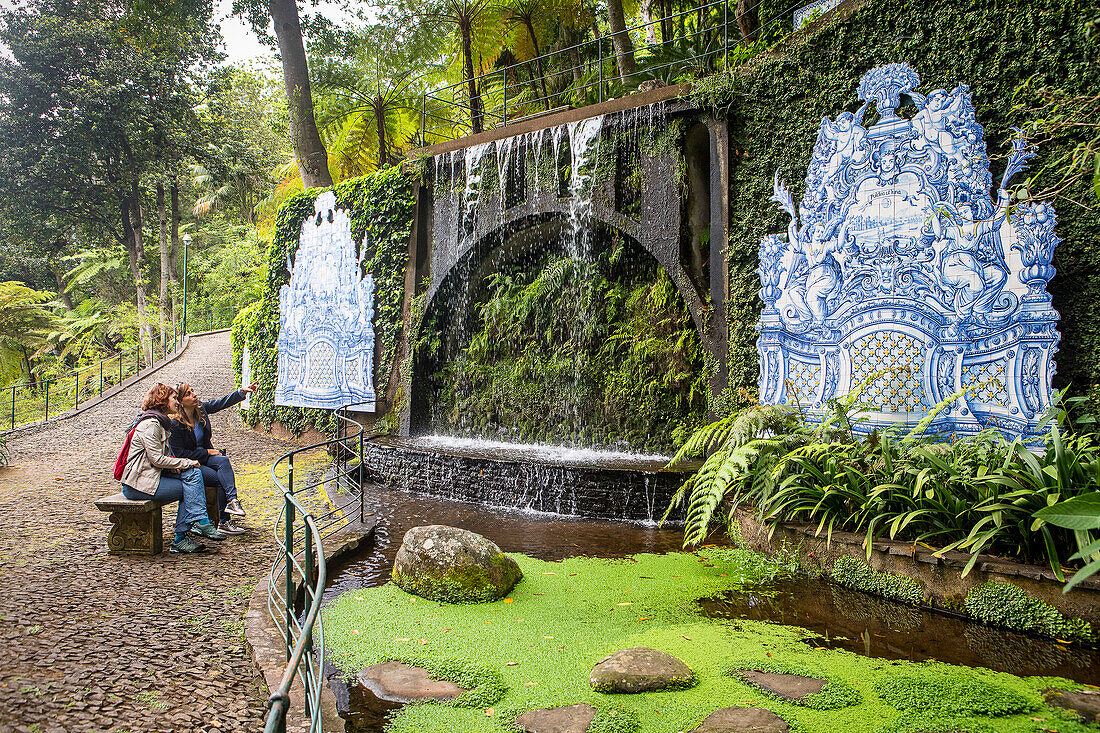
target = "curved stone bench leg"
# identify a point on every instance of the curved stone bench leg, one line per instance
(135, 533)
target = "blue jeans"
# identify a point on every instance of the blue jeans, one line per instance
(218, 472)
(184, 487)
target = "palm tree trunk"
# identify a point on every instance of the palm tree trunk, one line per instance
(476, 114)
(620, 39)
(311, 153)
(538, 64)
(380, 125)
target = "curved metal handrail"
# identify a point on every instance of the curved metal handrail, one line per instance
(304, 660)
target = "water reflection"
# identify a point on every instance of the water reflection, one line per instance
(837, 617)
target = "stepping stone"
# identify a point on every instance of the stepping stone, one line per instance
(742, 720)
(640, 669)
(568, 719)
(791, 687)
(397, 682)
(1083, 702)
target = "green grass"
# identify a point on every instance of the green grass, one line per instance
(537, 647)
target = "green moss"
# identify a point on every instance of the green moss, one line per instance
(1007, 605)
(952, 693)
(468, 584)
(563, 617)
(854, 573)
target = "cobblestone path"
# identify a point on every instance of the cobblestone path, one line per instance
(96, 642)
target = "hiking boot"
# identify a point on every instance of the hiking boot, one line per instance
(234, 507)
(187, 545)
(230, 527)
(207, 530)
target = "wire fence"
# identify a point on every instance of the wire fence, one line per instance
(38, 400)
(693, 43)
(298, 574)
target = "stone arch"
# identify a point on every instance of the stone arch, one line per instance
(526, 234)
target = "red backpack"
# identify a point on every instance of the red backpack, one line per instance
(120, 462)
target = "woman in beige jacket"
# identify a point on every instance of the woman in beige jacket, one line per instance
(152, 472)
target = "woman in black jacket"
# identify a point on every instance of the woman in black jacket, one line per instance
(191, 437)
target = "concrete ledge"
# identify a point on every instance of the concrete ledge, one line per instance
(941, 576)
(268, 650)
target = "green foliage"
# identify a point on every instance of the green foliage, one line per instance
(977, 493)
(4, 455)
(952, 693)
(854, 573)
(380, 207)
(573, 351)
(836, 694)
(25, 323)
(1080, 514)
(1004, 604)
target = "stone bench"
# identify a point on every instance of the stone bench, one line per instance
(136, 527)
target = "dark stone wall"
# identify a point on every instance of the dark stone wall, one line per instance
(597, 493)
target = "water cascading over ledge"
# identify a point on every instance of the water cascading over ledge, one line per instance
(592, 214)
(544, 479)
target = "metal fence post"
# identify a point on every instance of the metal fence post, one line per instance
(120, 367)
(307, 580)
(76, 397)
(423, 119)
(289, 549)
(13, 387)
(100, 376)
(726, 35)
(47, 418)
(504, 87)
(362, 474)
(599, 89)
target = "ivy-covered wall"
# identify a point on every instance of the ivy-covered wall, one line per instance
(776, 103)
(381, 209)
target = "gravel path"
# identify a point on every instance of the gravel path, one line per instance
(96, 642)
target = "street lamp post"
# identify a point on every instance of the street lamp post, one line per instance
(186, 241)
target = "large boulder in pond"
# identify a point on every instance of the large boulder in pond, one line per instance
(453, 565)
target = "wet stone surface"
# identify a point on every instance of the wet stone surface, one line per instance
(787, 686)
(1086, 703)
(567, 719)
(97, 642)
(401, 683)
(640, 669)
(742, 720)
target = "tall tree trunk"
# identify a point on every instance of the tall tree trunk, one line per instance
(647, 19)
(748, 19)
(311, 153)
(174, 234)
(380, 125)
(538, 64)
(61, 292)
(476, 113)
(620, 39)
(130, 209)
(162, 231)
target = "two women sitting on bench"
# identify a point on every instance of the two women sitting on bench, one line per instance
(152, 472)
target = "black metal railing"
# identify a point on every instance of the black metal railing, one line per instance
(694, 43)
(298, 574)
(36, 401)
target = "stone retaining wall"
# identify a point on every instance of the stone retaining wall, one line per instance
(593, 492)
(944, 586)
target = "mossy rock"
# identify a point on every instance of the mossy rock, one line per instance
(453, 565)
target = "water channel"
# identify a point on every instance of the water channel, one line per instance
(831, 616)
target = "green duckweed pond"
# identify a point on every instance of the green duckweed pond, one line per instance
(536, 648)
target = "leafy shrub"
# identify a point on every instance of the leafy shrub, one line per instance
(853, 573)
(1004, 604)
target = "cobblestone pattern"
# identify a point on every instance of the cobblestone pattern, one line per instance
(95, 642)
